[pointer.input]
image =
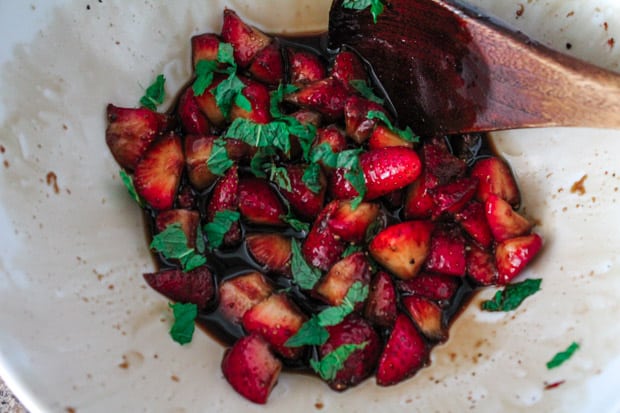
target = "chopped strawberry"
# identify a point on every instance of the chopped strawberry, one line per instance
(427, 315)
(267, 66)
(273, 251)
(347, 67)
(437, 287)
(195, 286)
(259, 98)
(197, 152)
(240, 293)
(382, 137)
(418, 201)
(158, 173)
(333, 136)
(512, 255)
(246, 40)
(441, 166)
(276, 319)
(358, 126)
(351, 224)
(259, 203)
(322, 248)
(189, 221)
(481, 265)
(334, 285)
(225, 196)
(381, 303)
(305, 66)
(497, 179)
(204, 47)
(403, 355)
(192, 118)
(326, 96)
(474, 221)
(362, 362)
(447, 253)
(130, 132)
(207, 104)
(403, 248)
(452, 197)
(302, 199)
(503, 220)
(251, 369)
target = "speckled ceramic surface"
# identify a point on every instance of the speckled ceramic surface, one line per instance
(80, 331)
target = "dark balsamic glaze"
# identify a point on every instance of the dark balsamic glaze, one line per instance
(227, 263)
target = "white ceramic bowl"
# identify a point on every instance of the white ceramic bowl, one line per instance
(80, 331)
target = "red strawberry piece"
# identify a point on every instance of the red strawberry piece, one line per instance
(190, 114)
(251, 369)
(503, 220)
(305, 66)
(403, 355)
(259, 203)
(207, 104)
(158, 173)
(418, 201)
(385, 170)
(197, 152)
(351, 224)
(303, 200)
(130, 132)
(403, 248)
(326, 96)
(381, 303)
(195, 286)
(267, 66)
(347, 67)
(305, 117)
(334, 285)
(481, 265)
(426, 315)
(497, 179)
(362, 362)
(259, 98)
(382, 137)
(204, 47)
(276, 319)
(246, 40)
(273, 251)
(447, 253)
(333, 136)
(322, 248)
(358, 126)
(437, 287)
(473, 220)
(225, 196)
(512, 255)
(452, 197)
(441, 166)
(188, 220)
(240, 293)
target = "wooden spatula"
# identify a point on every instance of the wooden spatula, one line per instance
(448, 69)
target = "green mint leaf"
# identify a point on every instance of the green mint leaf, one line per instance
(172, 244)
(182, 329)
(200, 241)
(305, 134)
(331, 316)
(406, 134)
(204, 76)
(562, 356)
(376, 6)
(217, 229)
(277, 96)
(279, 175)
(304, 275)
(295, 223)
(128, 182)
(365, 90)
(243, 102)
(218, 161)
(225, 54)
(260, 135)
(311, 333)
(512, 295)
(333, 362)
(323, 153)
(154, 94)
(311, 177)
(261, 161)
(226, 92)
(351, 249)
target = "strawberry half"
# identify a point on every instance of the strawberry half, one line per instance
(273, 251)
(427, 315)
(452, 197)
(383, 137)
(326, 96)
(334, 285)
(473, 220)
(267, 66)
(481, 265)
(251, 369)
(496, 178)
(419, 203)
(208, 105)
(259, 203)
(403, 355)
(158, 173)
(347, 67)
(302, 199)
(504, 222)
(447, 252)
(204, 47)
(381, 303)
(322, 248)
(197, 152)
(512, 255)
(195, 286)
(403, 248)
(259, 98)
(189, 221)
(333, 136)
(246, 40)
(130, 132)
(192, 118)
(437, 287)
(357, 125)
(225, 196)
(305, 66)
(351, 224)
(240, 293)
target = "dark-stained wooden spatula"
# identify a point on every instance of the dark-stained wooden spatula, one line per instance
(448, 69)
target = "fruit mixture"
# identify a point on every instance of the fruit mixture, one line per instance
(299, 221)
